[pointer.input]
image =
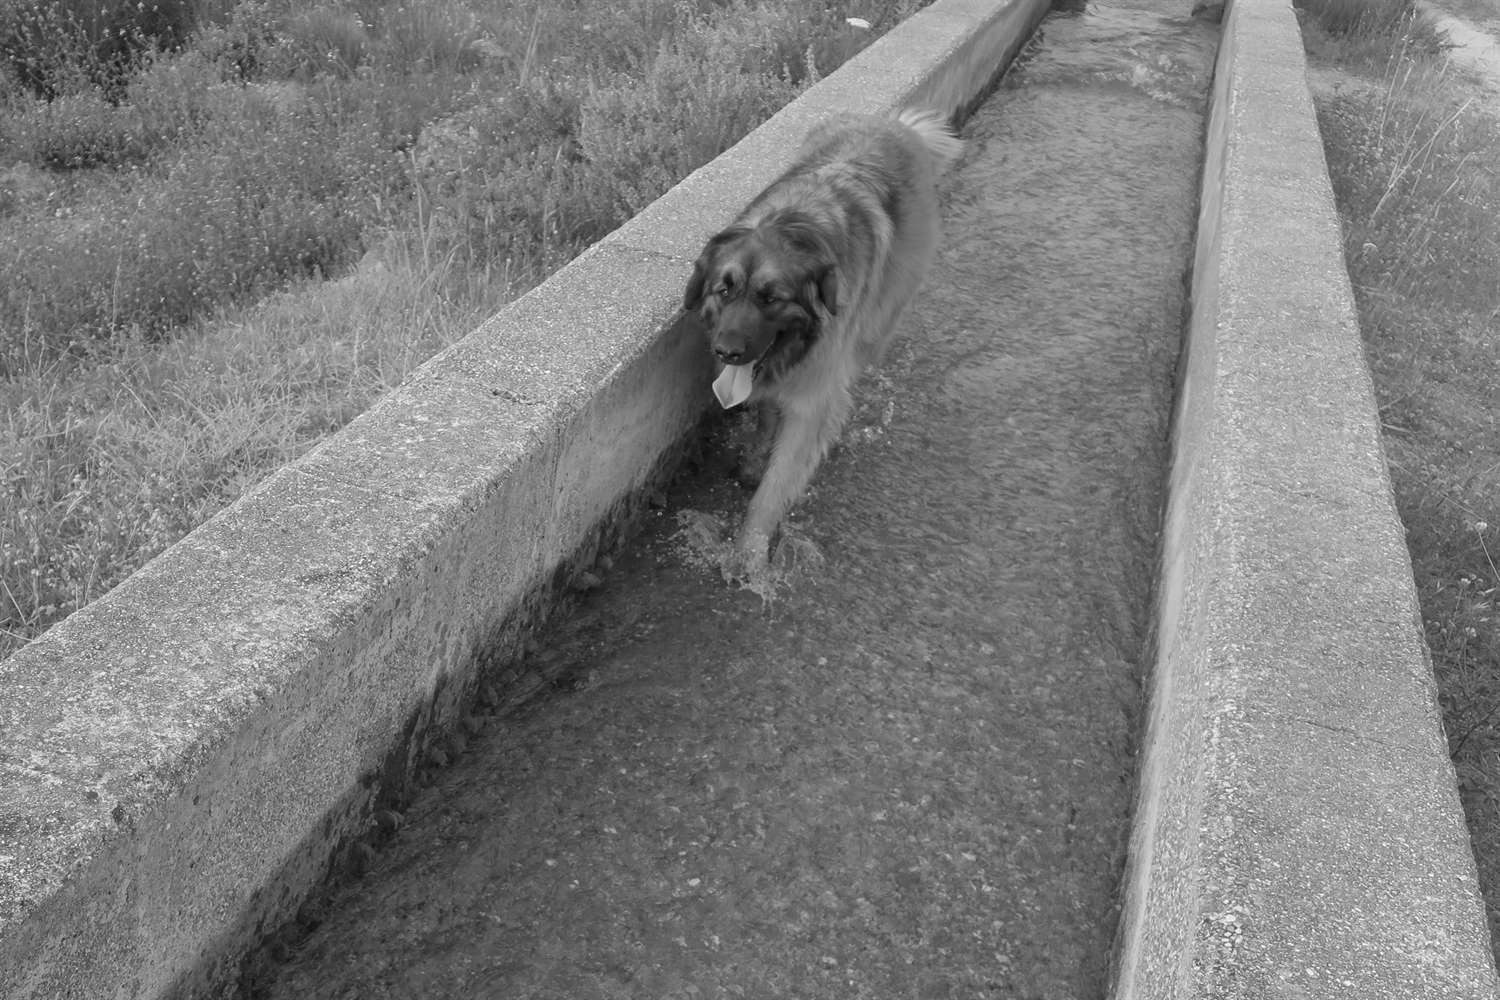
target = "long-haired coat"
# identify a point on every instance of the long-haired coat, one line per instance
(802, 292)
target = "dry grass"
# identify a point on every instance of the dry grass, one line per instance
(1414, 160)
(166, 335)
(107, 462)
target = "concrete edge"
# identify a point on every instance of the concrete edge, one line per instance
(185, 760)
(1298, 831)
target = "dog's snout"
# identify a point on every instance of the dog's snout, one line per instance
(738, 342)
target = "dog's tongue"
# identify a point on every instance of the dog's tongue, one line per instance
(732, 387)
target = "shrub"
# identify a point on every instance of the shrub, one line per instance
(328, 40)
(82, 130)
(49, 52)
(57, 47)
(239, 187)
(263, 183)
(176, 98)
(257, 197)
(169, 101)
(248, 44)
(533, 176)
(427, 36)
(640, 135)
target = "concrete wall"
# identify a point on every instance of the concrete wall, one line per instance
(183, 760)
(1298, 831)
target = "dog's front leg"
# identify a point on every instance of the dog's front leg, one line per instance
(804, 435)
(752, 466)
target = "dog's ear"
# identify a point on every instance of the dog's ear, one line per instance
(693, 294)
(828, 289)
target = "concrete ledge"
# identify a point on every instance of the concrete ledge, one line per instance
(1298, 832)
(182, 761)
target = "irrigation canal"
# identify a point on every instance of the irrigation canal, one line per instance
(911, 774)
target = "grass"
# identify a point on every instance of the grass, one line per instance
(1415, 161)
(244, 239)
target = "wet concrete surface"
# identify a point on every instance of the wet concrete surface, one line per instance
(910, 774)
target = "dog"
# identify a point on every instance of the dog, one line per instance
(801, 293)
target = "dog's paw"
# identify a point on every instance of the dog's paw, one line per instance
(748, 562)
(795, 553)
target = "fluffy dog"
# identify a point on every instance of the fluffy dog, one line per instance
(802, 292)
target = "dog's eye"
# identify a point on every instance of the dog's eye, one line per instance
(765, 296)
(725, 290)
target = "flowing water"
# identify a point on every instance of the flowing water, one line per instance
(910, 775)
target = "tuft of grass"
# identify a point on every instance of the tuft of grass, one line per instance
(1413, 158)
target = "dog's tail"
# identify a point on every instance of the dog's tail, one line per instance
(939, 139)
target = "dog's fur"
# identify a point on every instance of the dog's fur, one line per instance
(808, 283)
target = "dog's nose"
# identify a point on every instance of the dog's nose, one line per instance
(729, 356)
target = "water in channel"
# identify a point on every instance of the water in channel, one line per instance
(911, 775)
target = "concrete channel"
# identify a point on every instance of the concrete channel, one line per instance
(184, 762)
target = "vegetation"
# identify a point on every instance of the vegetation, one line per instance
(1415, 163)
(226, 235)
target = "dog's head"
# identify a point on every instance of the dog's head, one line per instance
(765, 293)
